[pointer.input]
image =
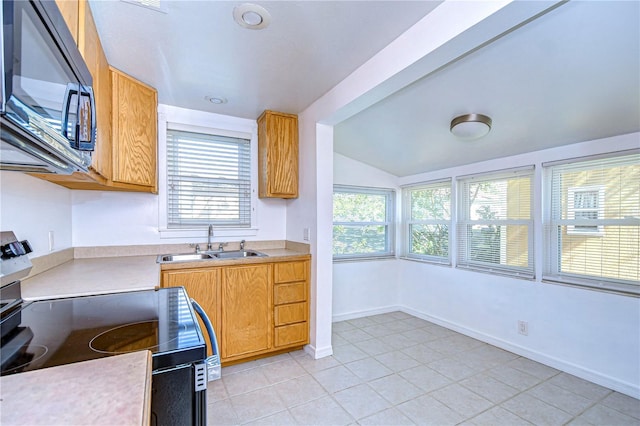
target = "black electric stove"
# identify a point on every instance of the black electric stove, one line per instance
(62, 331)
(49, 333)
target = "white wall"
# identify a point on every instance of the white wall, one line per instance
(371, 286)
(104, 218)
(32, 207)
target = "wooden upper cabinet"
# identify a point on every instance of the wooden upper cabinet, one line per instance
(135, 131)
(93, 54)
(277, 155)
(126, 109)
(71, 15)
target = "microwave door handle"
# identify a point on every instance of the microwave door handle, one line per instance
(72, 89)
(207, 323)
(87, 131)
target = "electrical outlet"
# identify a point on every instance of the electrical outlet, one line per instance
(523, 328)
(51, 241)
(306, 234)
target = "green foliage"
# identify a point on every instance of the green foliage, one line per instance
(359, 239)
(355, 207)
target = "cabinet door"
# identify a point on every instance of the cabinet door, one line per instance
(278, 155)
(69, 10)
(247, 310)
(134, 131)
(93, 54)
(202, 285)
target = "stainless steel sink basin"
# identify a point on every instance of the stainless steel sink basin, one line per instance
(190, 257)
(237, 254)
(211, 255)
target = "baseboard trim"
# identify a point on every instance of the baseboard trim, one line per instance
(557, 363)
(318, 353)
(366, 313)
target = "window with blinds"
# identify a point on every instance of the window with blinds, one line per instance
(495, 223)
(427, 221)
(208, 180)
(363, 224)
(593, 233)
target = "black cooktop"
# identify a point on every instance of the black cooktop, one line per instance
(62, 331)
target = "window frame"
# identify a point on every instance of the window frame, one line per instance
(190, 175)
(572, 210)
(389, 223)
(463, 221)
(552, 249)
(408, 221)
(203, 122)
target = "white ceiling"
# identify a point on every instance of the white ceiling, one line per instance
(196, 49)
(570, 75)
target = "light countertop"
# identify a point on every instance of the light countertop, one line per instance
(105, 391)
(82, 277)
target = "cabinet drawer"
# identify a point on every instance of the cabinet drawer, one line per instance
(292, 334)
(290, 271)
(289, 293)
(289, 314)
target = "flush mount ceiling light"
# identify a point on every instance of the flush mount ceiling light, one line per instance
(470, 126)
(251, 16)
(216, 100)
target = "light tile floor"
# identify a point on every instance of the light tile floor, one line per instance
(395, 369)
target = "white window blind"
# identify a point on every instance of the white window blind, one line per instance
(208, 180)
(427, 221)
(363, 224)
(593, 234)
(495, 228)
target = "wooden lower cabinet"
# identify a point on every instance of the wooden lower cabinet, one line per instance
(291, 305)
(203, 286)
(255, 309)
(247, 310)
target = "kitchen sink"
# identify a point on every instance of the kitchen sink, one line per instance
(236, 254)
(212, 255)
(184, 257)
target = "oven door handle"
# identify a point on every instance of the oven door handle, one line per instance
(207, 323)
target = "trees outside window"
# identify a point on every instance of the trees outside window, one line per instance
(495, 223)
(428, 221)
(363, 224)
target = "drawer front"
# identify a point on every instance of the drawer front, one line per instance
(292, 334)
(289, 293)
(289, 314)
(290, 271)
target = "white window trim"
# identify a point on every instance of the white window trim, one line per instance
(203, 122)
(389, 223)
(551, 272)
(571, 210)
(407, 222)
(463, 221)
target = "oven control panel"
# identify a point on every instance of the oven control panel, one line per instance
(14, 262)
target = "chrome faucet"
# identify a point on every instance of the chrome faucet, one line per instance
(209, 235)
(221, 246)
(242, 245)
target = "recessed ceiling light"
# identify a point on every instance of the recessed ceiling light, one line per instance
(215, 100)
(251, 16)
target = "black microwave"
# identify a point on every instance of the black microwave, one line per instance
(47, 105)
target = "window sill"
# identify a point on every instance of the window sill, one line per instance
(202, 232)
(363, 259)
(428, 261)
(618, 289)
